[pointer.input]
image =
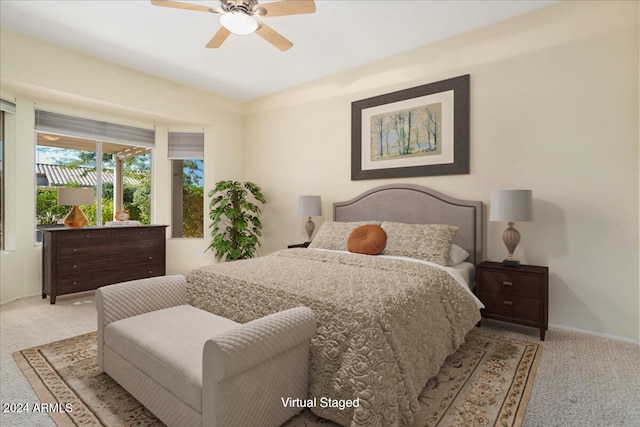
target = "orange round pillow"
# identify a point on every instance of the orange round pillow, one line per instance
(369, 239)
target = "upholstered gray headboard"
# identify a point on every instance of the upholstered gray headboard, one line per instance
(414, 204)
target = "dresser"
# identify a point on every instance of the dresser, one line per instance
(84, 259)
(514, 294)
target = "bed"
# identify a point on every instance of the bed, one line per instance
(385, 323)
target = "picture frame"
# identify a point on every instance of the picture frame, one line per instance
(420, 131)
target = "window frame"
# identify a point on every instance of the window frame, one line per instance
(184, 147)
(2, 180)
(6, 107)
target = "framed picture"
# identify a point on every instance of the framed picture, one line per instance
(420, 131)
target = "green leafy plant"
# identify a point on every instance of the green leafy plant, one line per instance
(236, 226)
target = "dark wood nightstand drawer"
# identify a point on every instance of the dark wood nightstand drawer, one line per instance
(511, 305)
(516, 284)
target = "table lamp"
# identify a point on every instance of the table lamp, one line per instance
(309, 206)
(511, 206)
(75, 197)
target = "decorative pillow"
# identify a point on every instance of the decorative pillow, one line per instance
(429, 242)
(457, 255)
(367, 239)
(334, 235)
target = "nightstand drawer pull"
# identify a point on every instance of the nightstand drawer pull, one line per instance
(507, 283)
(507, 302)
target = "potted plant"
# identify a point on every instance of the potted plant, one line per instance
(236, 226)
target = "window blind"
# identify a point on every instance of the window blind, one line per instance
(7, 106)
(60, 124)
(186, 145)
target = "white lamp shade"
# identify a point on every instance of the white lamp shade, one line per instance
(309, 206)
(238, 23)
(75, 196)
(511, 206)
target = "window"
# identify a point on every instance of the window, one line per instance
(1, 180)
(186, 151)
(58, 166)
(109, 158)
(6, 107)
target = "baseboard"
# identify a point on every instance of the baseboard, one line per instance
(19, 298)
(596, 334)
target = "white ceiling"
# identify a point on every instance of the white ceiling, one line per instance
(169, 43)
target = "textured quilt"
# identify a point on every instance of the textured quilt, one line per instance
(385, 326)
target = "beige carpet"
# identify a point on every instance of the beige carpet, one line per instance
(486, 382)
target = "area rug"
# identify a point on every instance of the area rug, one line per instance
(486, 382)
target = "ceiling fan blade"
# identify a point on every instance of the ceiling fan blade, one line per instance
(219, 38)
(273, 37)
(179, 5)
(287, 7)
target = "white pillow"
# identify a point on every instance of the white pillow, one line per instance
(457, 255)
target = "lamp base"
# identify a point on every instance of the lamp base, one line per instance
(75, 218)
(511, 238)
(309, 227)
(511, 263)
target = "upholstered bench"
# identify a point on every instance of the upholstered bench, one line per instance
(190, 367)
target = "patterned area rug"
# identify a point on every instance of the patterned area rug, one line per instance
(486, 382)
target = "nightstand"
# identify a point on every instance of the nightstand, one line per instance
(299, 245)
(514, 294)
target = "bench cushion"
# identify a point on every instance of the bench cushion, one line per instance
(167, 345)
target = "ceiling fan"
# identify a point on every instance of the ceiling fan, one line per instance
(239, 17)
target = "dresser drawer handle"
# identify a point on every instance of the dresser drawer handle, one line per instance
(507, 302)
(507, 283)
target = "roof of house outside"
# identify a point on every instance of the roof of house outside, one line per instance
(58, 176)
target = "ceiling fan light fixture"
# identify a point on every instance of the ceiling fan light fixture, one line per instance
(238, 23)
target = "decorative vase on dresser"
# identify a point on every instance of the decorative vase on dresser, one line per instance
(514, 294)
(84, 259)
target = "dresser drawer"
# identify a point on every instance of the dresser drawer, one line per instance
(526, 285)
(97, 236)
(514, 306)
(150, 264)
(74, 249)
(68, 284)
(143, 244)
(140, 233)
(142, 257)
(85, 268)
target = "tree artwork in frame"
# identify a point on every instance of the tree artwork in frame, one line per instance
(420, 131)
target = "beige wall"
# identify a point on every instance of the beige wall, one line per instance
(554, 108)
(33, 72)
